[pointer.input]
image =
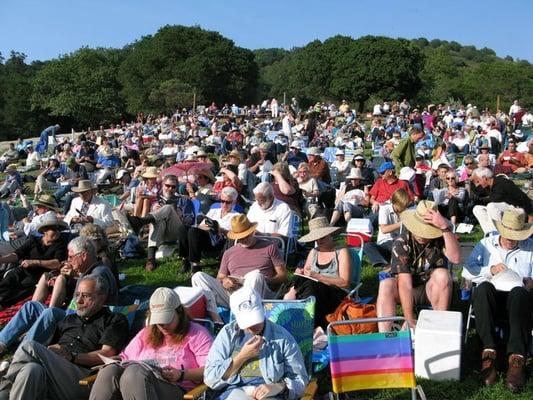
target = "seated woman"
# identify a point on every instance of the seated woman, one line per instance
(36, 256)
(210, 235)
(146, 192)
(453, 205)
(170, 344)
(286, 187)
(351, 207)
(252, 357)
(309, 187)
(326, 273)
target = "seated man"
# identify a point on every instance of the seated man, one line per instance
(251, 262)
(39, 321)
(12, 181)
(418, 266)
(273, 216)
(384, 187)
(89, 208)
(210, 234)
(169, 220)
(8, 157)
(38, 372)
(253, 357)
(500, 190)
(511, 249)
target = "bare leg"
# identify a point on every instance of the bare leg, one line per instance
(59, 293)
(439, 289)
(386, 302)
(147, 205)
(41, 290)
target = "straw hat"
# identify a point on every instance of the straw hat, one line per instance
(201, 153)
(191, 157)
(413, 220)
(241, 227)
(83, 186)
(150, 172)
(50, 220)
(47, 201)
(513, 225)
(355, 173)
(106, 152)
(11, 168)
(318, 228)
(235, 153)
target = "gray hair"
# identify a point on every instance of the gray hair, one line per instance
(469, 157)
(482, 172)
(230, 192)
(100, 283)
(265, 189)
(83, 244)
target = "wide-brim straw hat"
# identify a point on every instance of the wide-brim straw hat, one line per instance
(83, 186)
(413, 220)
(150, 172)
(513, 225)
(47, 201)
(241, 227)
(318, 228)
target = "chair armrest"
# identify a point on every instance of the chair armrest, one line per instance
(310, 390)
(89, 379)
(195, 393)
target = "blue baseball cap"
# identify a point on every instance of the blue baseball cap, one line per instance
(385, 166)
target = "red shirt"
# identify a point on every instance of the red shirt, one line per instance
(382, 191)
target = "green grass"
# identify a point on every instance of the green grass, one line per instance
(470, 387)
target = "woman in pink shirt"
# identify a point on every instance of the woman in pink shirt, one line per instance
(163, 361)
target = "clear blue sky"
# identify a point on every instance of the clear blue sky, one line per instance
(44, 29)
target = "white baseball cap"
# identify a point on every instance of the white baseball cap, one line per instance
(246, 304)
(163, 304)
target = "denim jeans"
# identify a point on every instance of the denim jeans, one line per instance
(34, 318)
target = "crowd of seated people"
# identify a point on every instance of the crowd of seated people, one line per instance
(226, 184)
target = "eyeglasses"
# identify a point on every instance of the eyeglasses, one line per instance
(226, 201)
(468, 163)
(170, 186)
(83, 296)
(450, 178)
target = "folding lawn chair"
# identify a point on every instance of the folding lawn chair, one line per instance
(371, 360)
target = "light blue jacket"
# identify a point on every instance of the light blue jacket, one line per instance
(280, 359)
(489, 252)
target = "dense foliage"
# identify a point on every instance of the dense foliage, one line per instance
(179, 65)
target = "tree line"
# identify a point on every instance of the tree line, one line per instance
(180, 65)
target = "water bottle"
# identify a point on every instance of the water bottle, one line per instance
(466, 289)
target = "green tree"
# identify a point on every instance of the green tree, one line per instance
(82, 86)
(211, 64)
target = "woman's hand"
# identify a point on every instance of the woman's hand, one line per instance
(267, 390)
(171, 374)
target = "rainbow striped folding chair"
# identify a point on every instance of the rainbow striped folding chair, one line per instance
(372, 360)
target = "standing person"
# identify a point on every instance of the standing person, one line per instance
(404, 154)
(48, 136)
(274, 108)
(178, 345)
(38, 372)
(318, 167)
(253, 357)
(510, 250)
(419, 269)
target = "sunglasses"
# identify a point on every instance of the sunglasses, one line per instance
(450, 178)
(226, 201)
(468, 163)
(170, 186)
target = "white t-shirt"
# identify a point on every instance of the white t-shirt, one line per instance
(387, 216)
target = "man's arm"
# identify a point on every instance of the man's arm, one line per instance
(280, 269)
